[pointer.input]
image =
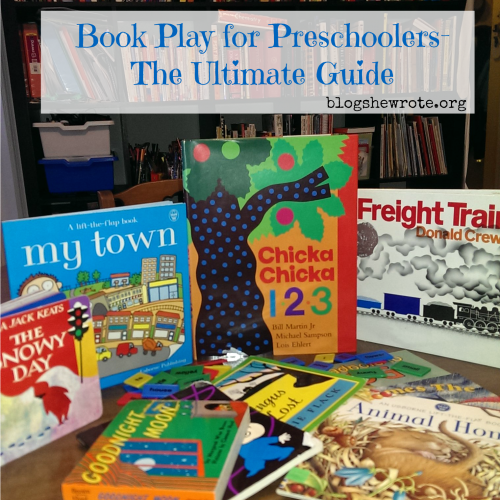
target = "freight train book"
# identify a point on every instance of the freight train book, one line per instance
(273, 243)
(429, 271)
(49, 378)
(163, 449)
(132, 264)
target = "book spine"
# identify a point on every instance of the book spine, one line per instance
(33, 59)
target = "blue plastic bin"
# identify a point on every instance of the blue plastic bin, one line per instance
(79, 174)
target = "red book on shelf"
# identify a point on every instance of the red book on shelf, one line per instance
(255, 61)
(423, 144)
(25, 71)
(233, 63)
(435, 155)
(31, 45)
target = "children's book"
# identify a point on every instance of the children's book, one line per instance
(270, 449)
(392, 376)
(49, 377)
(132, 264)
(298, 395)
(428, 271)
(453, 388)
(175, 449)
(401, 448)
(273, 243)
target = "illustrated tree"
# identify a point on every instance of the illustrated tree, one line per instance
(135, 279)
(96, 275)
(83, 277)
(79, 322)
(240, 191)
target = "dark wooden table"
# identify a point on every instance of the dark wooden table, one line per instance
(38, 475)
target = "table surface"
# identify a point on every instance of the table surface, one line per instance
(39, 474)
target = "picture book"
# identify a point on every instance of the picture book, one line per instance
(132, 264)
(270, 449)
(159, 448)
(298, 395)
(453, 388)
(428, 271)
(48, 373)
(392, 376)
(401, 448)
(273, 243)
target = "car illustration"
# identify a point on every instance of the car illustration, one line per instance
(126, 349)
(151, 345)
(103, 353)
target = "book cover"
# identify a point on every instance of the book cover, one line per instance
(453, 388)
(428, 271)
(401, 448)
(175, 449)
(272, 246)
(132, 264)
(270, 449)
(392, 376)
(298, 395)
(49, 377)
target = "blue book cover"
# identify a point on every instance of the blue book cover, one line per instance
(131, 262)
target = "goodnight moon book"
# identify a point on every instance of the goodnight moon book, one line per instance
(429, 271)
(131, 262)
(273, 243)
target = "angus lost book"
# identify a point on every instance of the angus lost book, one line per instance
(273, 243)
(131, 262)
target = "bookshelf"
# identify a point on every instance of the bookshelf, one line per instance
(41, 202)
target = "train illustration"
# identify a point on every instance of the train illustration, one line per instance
(459, 316)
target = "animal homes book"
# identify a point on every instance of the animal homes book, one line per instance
(49, 378)
(398, 448)
(429, 271)
(273, 243)
(132, 264)
(162, 449)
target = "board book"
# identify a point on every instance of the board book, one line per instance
(273, 243)
(270, 449)
(132, 264)
(298, 395)
(392, 376)
(428, 271)
(401, 448)
(176, 449)
(49, 377)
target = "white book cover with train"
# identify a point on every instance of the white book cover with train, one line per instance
(429, 271)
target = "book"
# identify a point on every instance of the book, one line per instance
(32, 55)
(131, 262)
(428, 272)
(453, 388)
(392, 376)
(270, 450)
(272, 245)
(49, 377)
(298, 395)
(402, 448)
(182, 449)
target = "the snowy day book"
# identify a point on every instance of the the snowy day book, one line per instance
(49, 377)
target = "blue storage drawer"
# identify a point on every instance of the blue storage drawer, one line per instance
(66, 175)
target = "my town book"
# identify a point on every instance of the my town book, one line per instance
(132, 264)
(160, 449)
(273, 243)
(298, 395)
(428, 271)
(401, 448)
(49, 377)
(270, 448)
